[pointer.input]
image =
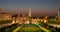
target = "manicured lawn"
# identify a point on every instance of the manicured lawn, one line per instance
(30, 28)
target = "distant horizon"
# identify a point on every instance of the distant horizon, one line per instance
(39, 7)
(27, 13)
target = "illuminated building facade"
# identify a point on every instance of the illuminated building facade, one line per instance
(59, 14)
(23, 19)
(6, 16)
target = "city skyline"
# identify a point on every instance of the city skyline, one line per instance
(38, 7)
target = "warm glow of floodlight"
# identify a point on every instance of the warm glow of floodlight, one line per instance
(34, 23)
(13, 22)
(45, 21)
(27, 22)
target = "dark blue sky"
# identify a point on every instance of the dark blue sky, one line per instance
(39, 7)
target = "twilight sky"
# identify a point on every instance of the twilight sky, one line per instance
(39, 7)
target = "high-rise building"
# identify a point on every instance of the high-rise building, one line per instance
(59, 14)
(30, 22)
(0, 14)
(29, 12)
